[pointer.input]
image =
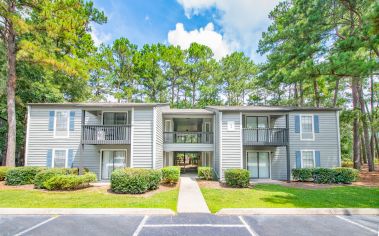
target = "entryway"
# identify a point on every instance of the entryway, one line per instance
(258, 164)
(188, 161)
(111, 160)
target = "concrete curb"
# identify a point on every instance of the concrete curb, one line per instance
(298, 211)
(86, 211)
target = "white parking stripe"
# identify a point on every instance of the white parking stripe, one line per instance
(247, 226)
(194, 225)
(357, 224)
(36, 226)
(140, 226)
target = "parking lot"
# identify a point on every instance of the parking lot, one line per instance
(188, 224)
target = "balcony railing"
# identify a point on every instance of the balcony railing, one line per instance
(188, 137)
(265, 136)
(106, 134)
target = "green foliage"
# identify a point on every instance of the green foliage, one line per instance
(44, 175)
(323, 175)
(237, 178)
(205, 173)
(134, 180)
(302, 174)
(170, 174)
(22, 175)
(69, 182)
(3, 172)
(347, 163)
(346, 175)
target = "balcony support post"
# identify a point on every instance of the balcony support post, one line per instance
(81, 142)
(288, 151)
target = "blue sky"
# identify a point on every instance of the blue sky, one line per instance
(223, 25)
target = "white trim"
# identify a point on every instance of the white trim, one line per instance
(338, 138)
(301, 128)
(27, 137)
(55, 123)
(154, 136)
(101, 158)
(114, 111)
(170, 125)
(220, 143)
(53, 156)
(301, 157)
(131, 138)
(241, 139)
(214, 144)
(269, 159)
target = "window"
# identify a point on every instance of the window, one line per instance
(61, 123)
(115, 118)
(307, 159)
(60, 159)
(253, 122)
(306, 128)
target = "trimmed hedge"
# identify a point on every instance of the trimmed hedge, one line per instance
(69, 182)
(22, 175)
(3, 172)
(326, 175)
(205, 173)
(135, 180)
(45, 175)
(237, 178)
(170, 174)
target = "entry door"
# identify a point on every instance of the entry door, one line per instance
(112, 160)
(258, 164)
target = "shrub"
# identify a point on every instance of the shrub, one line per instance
(170, 174)
(22, 175)
(3, 172)
(134, 180)
(304, 174)
(323, 175)
(205, 173)
(347, 163)
(237, 178)
(345, 175)
(69, 182)
(45, 175)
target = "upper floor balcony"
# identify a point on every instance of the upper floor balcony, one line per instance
(265, 136)
(188, 137)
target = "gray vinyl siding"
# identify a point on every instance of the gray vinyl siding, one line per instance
(231, 142)
(41, 139)
(326, 141)
(158, 137)
(279, 156)
(142, 137)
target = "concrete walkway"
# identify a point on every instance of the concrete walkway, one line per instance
(191, 199)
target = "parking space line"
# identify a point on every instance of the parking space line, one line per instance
(140, 226)
(36, 226)
(194, 225)
(357, 224)
(247, 226)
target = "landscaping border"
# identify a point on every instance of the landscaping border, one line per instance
(86, 211)
(298, 211)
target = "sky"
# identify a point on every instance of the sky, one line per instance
(223, 25)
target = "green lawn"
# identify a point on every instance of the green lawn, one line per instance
(272, 196)
(85, 199)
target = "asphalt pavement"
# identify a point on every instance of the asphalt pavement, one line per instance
(189, 224)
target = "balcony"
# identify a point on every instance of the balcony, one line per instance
(265, 136)
(188, 137)
(106, 134)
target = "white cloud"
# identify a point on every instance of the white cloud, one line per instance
(99, 37)
(206, 36)
(242, 21)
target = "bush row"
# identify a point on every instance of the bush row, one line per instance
(237, 178)
(326, 175)
(69, 182)
(170, 174)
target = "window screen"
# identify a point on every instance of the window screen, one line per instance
(60, 158)
(307, 159)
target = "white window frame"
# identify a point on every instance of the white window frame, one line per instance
(268, 119)
(53, 157)
(257, 151)
(301, 128)
(55, 124)
(314, 157)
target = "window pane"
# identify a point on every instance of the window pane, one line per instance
(262, 122)
(251, 122)
(115, 118)
(307, 158)
(60, 159)
(306, 124)
(61, 121)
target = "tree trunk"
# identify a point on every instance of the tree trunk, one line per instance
(193, 94)
(363, 151)
(301, 94)
(10, 41)
(356, 151)
(366, 133)
(296, 95)
(336, 89)
(316, 93)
